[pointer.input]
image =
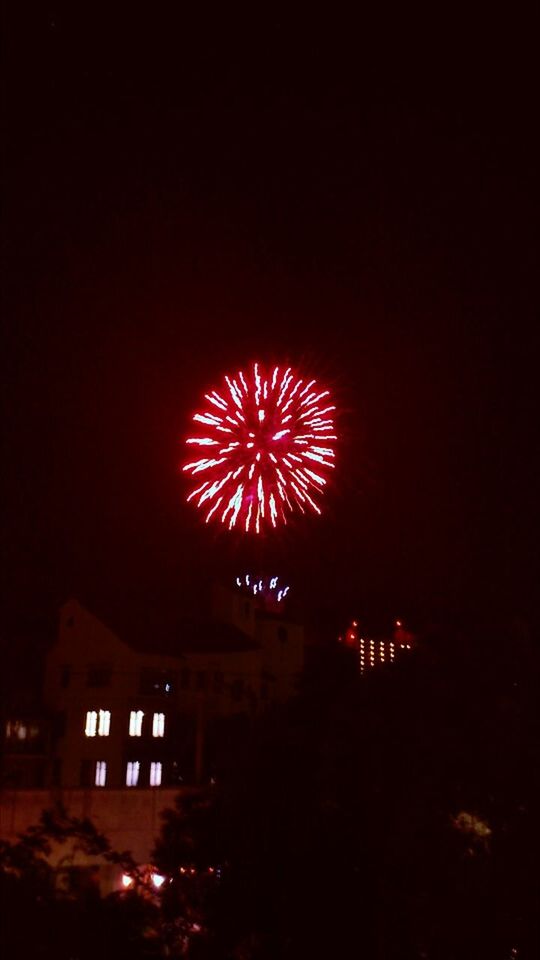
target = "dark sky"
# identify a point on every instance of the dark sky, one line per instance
(184, 196)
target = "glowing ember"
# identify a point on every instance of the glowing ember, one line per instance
(271, 439)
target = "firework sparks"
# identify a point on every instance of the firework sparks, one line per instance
(265, 448)
(265, 588)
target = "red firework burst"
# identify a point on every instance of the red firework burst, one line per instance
(271, 436)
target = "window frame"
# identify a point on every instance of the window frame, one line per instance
(156, 767)
(136, 720)
(133, 772)
(158, 724)
(100, 773)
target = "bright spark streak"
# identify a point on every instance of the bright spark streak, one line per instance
(291, 398)
(313, 504)
(208, 418)
(308, 387)
(217, 403)
(315, 476)
(257, 384)
(237, 505)
(234, 393)
(199, 465)
(195, 492)
(284, 385)
(214, 508)
(317, 458)
(260, 494)
(203, 441)
(215, 488)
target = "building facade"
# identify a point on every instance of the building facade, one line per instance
(127, 719)
(141, 715)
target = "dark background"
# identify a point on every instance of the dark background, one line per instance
(183, 195)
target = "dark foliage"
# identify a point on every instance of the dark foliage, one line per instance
(391, 817)
(46, 921)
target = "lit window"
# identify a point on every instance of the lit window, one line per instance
(135, 723)
(132, 773)
(127, 881)
(155, 774)
(101, 773)
(104, 725)
(91, 723)
(158, 880)
(16, 730)
(158, 725)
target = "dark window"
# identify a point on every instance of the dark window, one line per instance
(87, 772)
(158, 683)
(282, 634)
(201, 680)
(79, 881)
(264, 689)
(59, 724)
(65, 676)
(174, 773)
(218, 682)
(246, 609)
(57, 772)
(69, 621)
(237, 689)
(98, 676)
(185, 678)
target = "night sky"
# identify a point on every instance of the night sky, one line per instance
(183, 197)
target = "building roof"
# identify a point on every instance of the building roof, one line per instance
(192, 637)
(169, 634)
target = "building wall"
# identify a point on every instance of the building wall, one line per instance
(91, 669)
(131, 820)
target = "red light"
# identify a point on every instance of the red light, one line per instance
(272, 439)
